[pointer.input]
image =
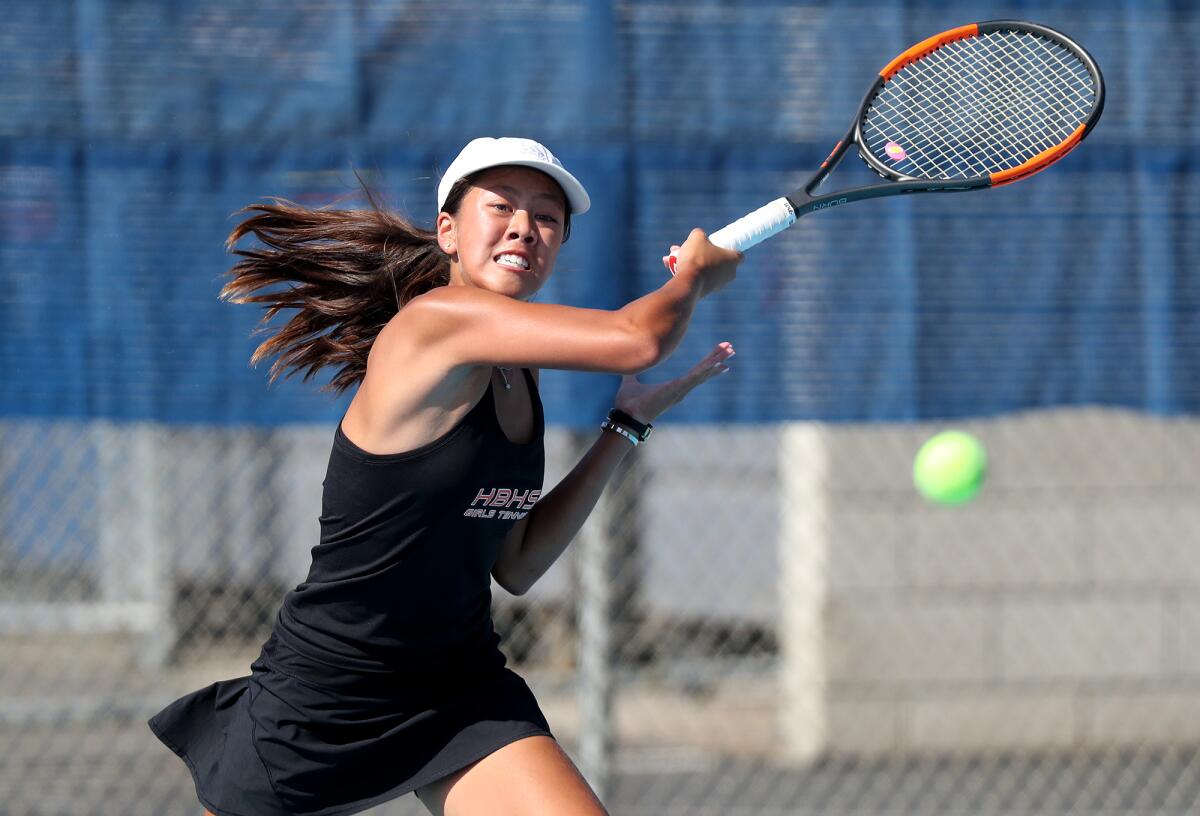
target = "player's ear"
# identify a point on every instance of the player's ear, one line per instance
(447, 234)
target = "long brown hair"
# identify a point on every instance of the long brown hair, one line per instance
(345, 272)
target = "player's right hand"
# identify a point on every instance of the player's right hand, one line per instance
(713, 267)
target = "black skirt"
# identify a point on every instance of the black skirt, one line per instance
(273, 744)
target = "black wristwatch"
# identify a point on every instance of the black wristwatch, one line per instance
(640, 429)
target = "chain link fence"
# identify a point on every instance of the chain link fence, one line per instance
(757, 619)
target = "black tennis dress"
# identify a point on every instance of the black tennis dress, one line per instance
(383, 671)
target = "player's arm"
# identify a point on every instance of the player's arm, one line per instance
(541, 536)
(536, 541)
(468, 326)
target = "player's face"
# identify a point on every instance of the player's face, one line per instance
(507, 232)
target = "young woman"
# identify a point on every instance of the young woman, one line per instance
(383, 673)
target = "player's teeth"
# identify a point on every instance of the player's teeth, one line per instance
(513, 260)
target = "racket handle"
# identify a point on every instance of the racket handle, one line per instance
(752, 229)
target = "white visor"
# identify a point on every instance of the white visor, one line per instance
(485, 152)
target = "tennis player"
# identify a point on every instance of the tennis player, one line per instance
(383, 675)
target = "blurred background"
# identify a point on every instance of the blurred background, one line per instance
(762, 617)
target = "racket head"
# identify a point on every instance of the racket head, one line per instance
(980, 105)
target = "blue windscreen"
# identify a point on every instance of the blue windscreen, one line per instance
(132, 133)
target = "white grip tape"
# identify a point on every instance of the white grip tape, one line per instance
(756, 227)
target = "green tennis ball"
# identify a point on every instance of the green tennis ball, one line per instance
(949, 467)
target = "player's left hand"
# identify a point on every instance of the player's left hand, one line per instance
(645, 402)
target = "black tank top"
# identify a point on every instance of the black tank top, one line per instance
(400, 580)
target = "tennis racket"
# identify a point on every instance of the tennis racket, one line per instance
(974, 107)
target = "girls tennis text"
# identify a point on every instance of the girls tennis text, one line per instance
(502, 497)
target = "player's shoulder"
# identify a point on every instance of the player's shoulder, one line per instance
(449, 297)
(416, 340)
(431, 322)
(435, 312)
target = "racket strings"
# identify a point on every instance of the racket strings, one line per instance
(1028, 90)
(1014, 119)
(978, 106)
(948, 150)
(1001, 106)
(971, 112)
(979, 111)
(1079, 80)
(944, 151)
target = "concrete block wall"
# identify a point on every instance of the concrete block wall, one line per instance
(1053, 612)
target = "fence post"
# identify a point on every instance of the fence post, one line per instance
(610, 575)
(596, 647)
(803, 470)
